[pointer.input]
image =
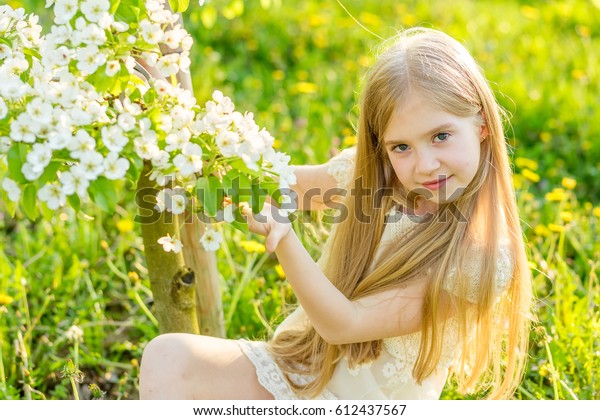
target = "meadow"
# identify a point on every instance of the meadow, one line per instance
(298, 67)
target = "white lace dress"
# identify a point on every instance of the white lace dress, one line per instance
(390, 375)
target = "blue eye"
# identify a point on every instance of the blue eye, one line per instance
(400, 148)
(442, 137)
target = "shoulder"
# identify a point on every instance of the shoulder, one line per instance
(466, 279)
(341, 166)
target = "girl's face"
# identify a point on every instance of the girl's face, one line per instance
(434, 154)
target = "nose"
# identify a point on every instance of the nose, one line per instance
(427, 162)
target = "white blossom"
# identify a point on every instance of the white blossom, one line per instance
(190, 161)
(167, 64)
(52, 195)
(211, 240)
(170, 244)
(64, 10)
(151, 32)
(92, 164)
(39, 157)
(12, 88)
(74, 333)
(181, 116)
(114, 138)
(93, 34)
(126, 121)
(81, 143)
(12, 188)
(115, 167)
(3, 109)
(23, 129)
(228, 142)
(89, 59)
(94, 10)
(29, 173)
(74, 181)
(40, 111)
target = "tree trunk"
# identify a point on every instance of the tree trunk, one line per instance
(209, 308)
(172, 283)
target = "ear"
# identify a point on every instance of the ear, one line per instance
(484, 133)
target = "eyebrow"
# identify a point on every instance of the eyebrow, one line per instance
(446, 126)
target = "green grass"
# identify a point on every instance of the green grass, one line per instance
(298, 68)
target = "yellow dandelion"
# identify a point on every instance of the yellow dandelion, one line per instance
(349, 141)
(556, 228)
(578, 74)
(517, 181)
(278, 75)
(530, 12)
(364, 61)
(541, 230)
(569, 183)
(316, 20)
(557, 194)
(566, 216)
(125, 225)
(279, 270)
(277, 144)
(370, 19)
(304, 87)
(302, 75)
(409, 20)
(522, 162)
(253, 246)
(530, 175)
(545, 137)
(596, 212)
(5, 299)
(584, 31)
(321, 40)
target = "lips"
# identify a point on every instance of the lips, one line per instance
(434, 185)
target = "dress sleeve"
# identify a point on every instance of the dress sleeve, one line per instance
(504, 268)
(341, 166)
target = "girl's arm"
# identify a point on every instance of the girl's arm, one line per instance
(336, 318)
(316, 188)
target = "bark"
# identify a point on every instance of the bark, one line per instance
(172, 282)
(209, 307)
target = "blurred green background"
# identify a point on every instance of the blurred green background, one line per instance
(298, 67)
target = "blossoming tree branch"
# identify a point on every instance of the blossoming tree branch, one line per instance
(77, 117)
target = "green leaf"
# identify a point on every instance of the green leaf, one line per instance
(29, 201)
(179, 6)
(10, 206)
(234, 9)
(74, 202)
(258, 196)
(210, 194)
(17, 155)
(49, 174)
(115, 5)
(126, 13)
(104, 194)
(238, 186)
(208, 16)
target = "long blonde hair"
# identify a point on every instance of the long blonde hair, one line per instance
(494, 331)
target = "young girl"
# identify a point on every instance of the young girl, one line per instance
(425, 272)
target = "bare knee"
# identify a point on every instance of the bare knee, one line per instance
(162, 371)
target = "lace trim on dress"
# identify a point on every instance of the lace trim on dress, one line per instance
(341, 166)
(270, 376)
(405, 350)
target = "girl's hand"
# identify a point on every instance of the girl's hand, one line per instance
(269, 223)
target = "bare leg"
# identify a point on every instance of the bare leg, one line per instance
(187, 366)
